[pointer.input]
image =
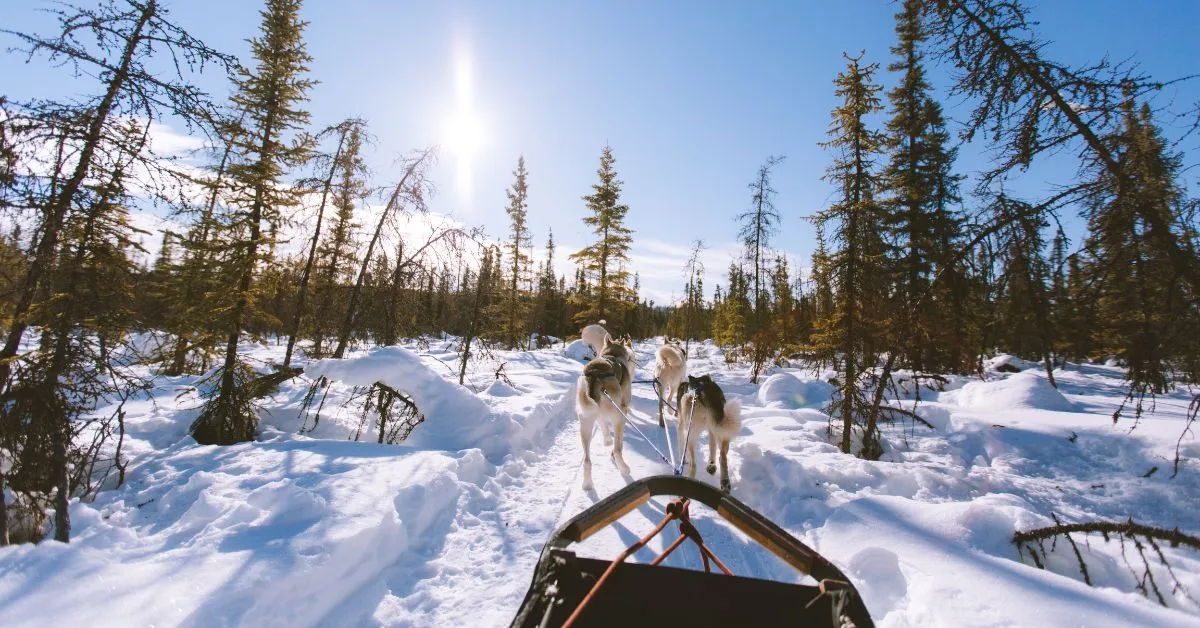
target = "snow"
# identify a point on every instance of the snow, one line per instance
(786, 390)
(315, 529)
(579, 350)
(1023, 390)
(454, 418)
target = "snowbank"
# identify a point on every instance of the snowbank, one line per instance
(1005, 363)
(1021, 391)
(454, 417)
(784, 390)
(579, 350)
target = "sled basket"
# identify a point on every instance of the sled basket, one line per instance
(588, 592)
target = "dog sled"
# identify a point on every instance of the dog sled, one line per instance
(571, 590)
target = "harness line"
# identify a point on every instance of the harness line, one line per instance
(638, 430)
(683, 447)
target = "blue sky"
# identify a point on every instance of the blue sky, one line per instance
(692, 96)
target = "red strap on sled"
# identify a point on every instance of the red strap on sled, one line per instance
(677, 509)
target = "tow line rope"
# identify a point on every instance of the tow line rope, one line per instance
(637, 429)
(683, 447)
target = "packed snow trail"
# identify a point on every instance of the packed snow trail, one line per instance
(500, 532)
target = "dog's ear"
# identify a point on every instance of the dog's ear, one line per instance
(692, 380)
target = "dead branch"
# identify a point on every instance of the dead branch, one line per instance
(1140, 535)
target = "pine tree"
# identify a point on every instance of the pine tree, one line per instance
(858, 325)
(515, 306)
(114, 43)
(758, 225)
(346, 158)
(338, 253)
(822, 275)
(909, 179)
(547, 307)
(270, 96)
(729, 314)
(605, 260)
(950, 322)
(410, 191)
(76, 278)
(1146, 308)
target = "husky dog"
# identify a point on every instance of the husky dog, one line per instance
(593, 336)
(711, 412)
(610, 373)
(670, 371)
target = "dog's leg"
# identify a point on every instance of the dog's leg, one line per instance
(660, 392)
(691, 445)
(585, 433)
(618, 446)
(725, 485)
(712, 454)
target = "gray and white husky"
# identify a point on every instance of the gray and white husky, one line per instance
(722, 419)
(670, 371)
(610, 373)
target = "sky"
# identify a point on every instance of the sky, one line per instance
(692, 97)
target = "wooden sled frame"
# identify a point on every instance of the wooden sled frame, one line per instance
(586, 592)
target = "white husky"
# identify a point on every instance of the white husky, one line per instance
(593, 336)
(670, 371)
(611, 373)
(721, 418)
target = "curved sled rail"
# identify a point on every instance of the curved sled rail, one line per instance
(762, 530)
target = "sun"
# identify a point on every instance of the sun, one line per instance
(463, 134)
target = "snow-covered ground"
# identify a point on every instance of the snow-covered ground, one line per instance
(314, 529)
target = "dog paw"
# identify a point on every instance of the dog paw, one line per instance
(711, 468)
(726, 486)
(662, 423)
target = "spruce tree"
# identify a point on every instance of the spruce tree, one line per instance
(908, 179)
(547, 308)
(515, 306)
(605, 260)
(338, 253)
(270, 95)
(345, 157)
(758, 225)
(76, 280)
(1146, 310)
(858, 325)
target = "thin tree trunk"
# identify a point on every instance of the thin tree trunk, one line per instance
(225, 403)
(392, 205)
(470, 337)
(179, 361)
(3, 513)
(312, 253)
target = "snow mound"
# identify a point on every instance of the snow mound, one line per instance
(784, 390)
(499, 389)
(1023, 390)
(454, 417)
(579, 350)
(1005, 363)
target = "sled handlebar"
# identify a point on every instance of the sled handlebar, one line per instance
(757, 527)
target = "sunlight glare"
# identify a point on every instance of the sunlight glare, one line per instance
(463, 133)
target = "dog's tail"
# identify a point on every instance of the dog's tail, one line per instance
(668, 358)
(584, 403)
(730, 420)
